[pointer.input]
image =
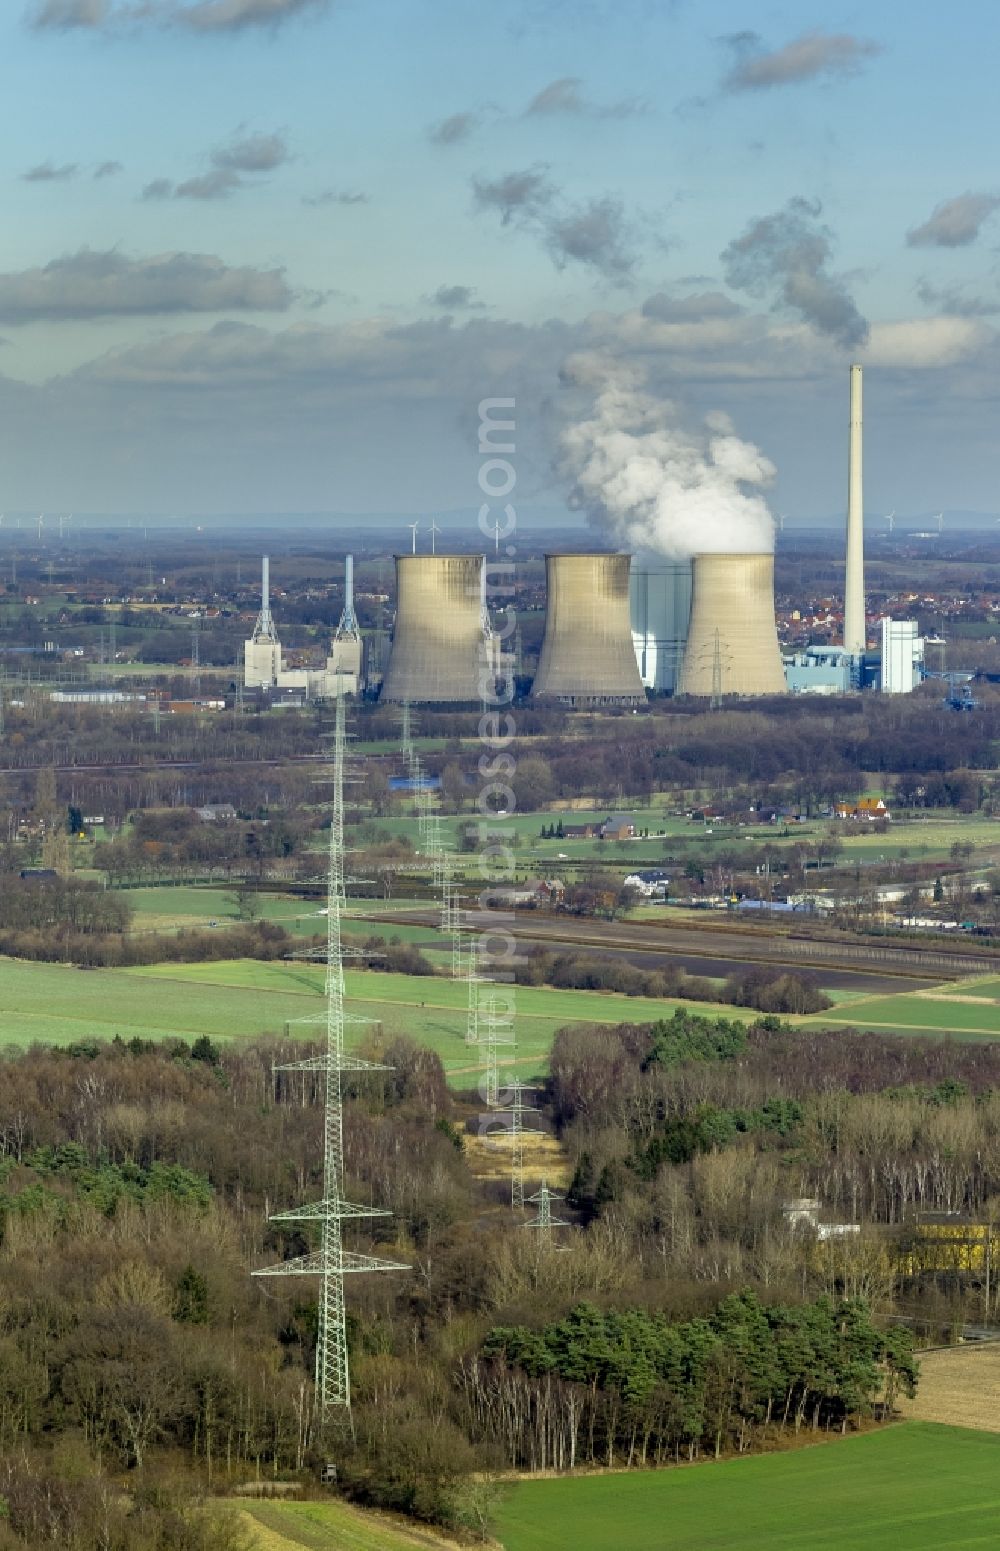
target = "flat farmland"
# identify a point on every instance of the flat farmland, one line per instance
(960, 1386)
(242, 998)
(965, 1012)
(916, 1486)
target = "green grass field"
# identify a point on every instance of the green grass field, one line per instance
(234, 999)
(914, 1487)
(945, 1011)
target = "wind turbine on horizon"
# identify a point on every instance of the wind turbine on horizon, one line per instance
(939, 519)
(435, 530)
(891, 520)
(413, 526)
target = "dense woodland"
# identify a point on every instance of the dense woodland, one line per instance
(681, 1311)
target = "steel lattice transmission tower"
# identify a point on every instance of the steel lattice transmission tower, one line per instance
(544, 1220)
(513, 1137)
(331, 1262)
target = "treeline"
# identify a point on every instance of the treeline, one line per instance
(767, 990)
(628, 1385)
(65, 944)
(54, 905)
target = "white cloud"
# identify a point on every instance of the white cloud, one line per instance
(926, 343)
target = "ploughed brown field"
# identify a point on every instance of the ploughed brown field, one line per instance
(959, 1386)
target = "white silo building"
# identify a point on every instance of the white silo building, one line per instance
(660, 608)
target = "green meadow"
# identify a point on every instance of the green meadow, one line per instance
(914, 1487)
(242, 998)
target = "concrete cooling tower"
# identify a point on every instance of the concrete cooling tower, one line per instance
(438, 634)
(732, 644)
(587, 654)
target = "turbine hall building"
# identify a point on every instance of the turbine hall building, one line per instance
(587, 655)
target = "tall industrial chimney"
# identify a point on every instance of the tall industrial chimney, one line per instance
(855, 635)
(587, 656)
(732, 645)
(262, 664)
(438, 636)
(264, 628)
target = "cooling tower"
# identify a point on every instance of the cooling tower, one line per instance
(732, 644)
(436, 642)
(587, 655)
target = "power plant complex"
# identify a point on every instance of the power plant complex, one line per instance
(616, 627)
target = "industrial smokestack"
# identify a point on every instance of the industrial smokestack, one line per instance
(732, 645)
(436, 644)
(587, 655)
(264, 629)
(855, 635)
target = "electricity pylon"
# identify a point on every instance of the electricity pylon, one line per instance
(331, 1262)
(496, 1030)
(512, 1136)
(544, 1220)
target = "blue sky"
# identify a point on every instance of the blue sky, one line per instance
(322, 230)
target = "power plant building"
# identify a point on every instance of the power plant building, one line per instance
(660, 607)
(902, 657)
(262, 652)
(263, 664)
(820, 670)
(587, 655)
(732, 645)
(438, 648)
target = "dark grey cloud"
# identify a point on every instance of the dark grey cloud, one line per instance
(204, 16)
(696, 308)
(456, 128)
(107, 169)
(455, 297)
(955, 223)
(515, 195)
(91, 284)
(813, 55)
(49, 172)
(566, 95)
(62, 15)
(956, 303)
(785, 256)
(252, 153)
(333, 196)
(231, 164)
(217, 183)
(594, 232)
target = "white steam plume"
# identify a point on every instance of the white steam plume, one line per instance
(655, 485)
